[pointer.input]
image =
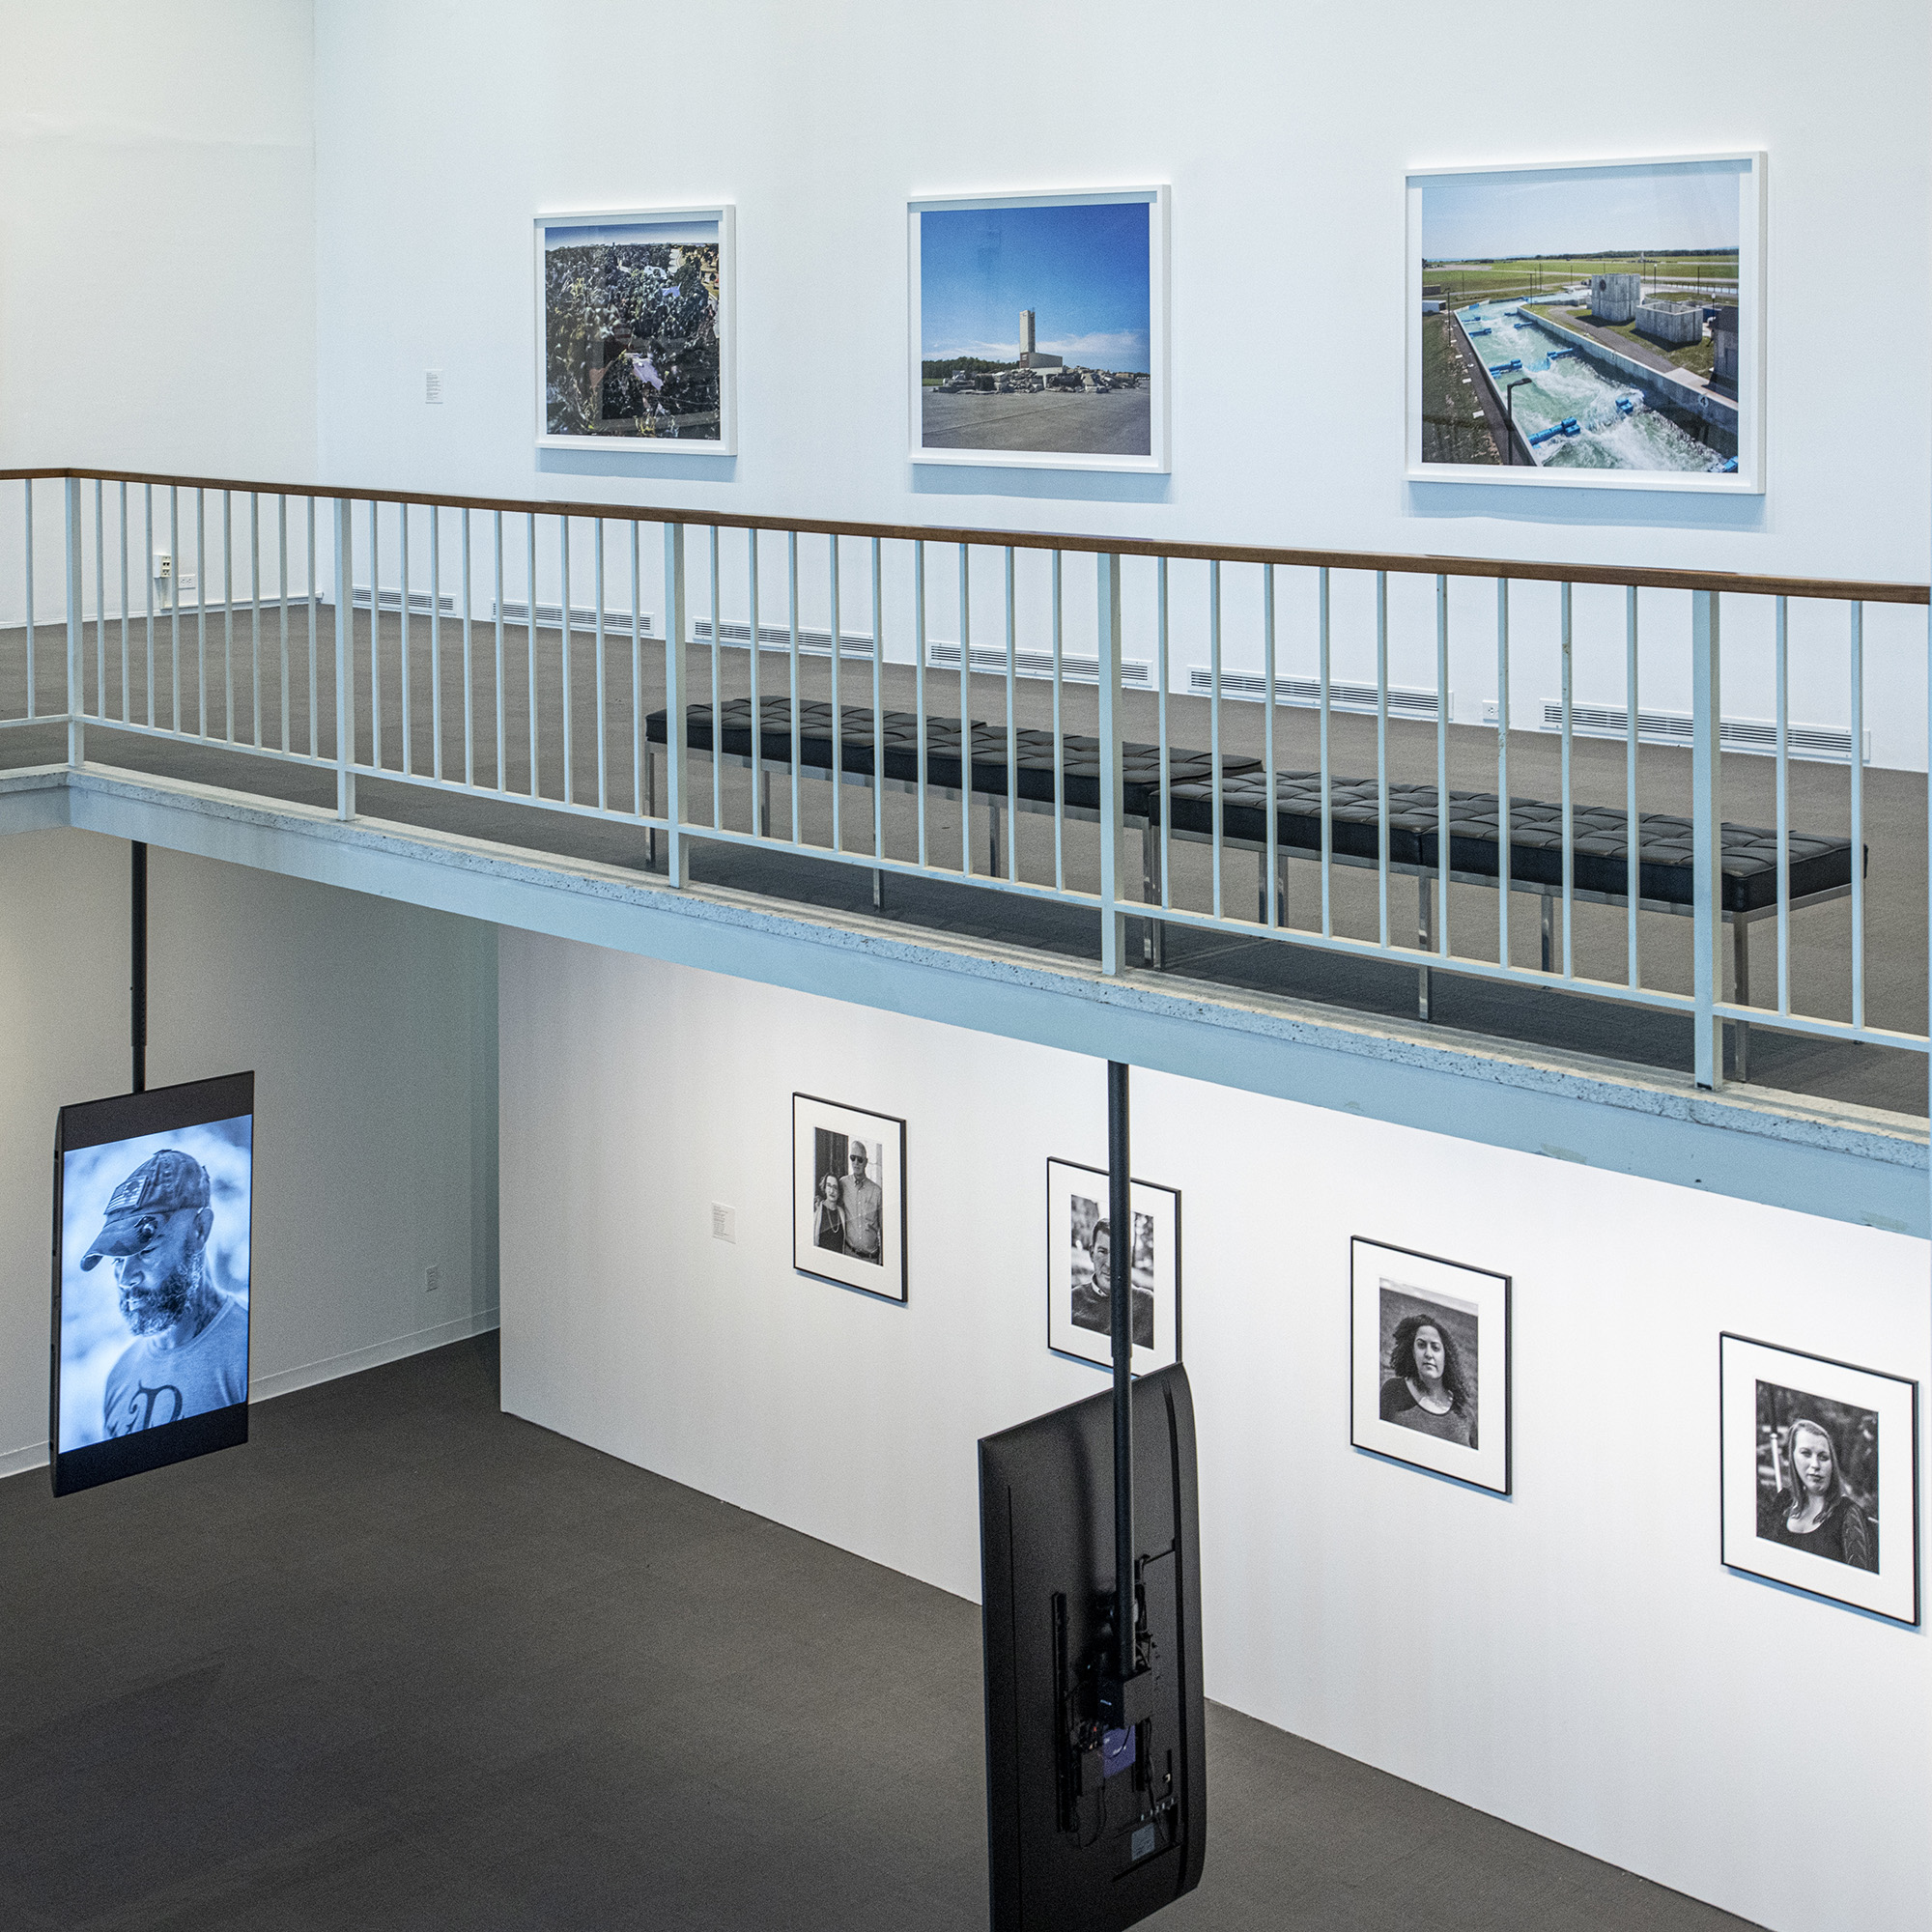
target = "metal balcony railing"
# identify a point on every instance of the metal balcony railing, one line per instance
(1113, 727)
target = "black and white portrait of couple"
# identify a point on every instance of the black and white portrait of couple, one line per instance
(1430, 1374)
(1079, 1271)
(848, 1184)
(1816, 1454)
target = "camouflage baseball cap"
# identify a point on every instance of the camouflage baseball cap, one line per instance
(162, 1184)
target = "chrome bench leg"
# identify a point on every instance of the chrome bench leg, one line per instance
(650, 809)
(1153, 934)
(1741, 974)
(878, 890)
(765, 805)
(993, 842)
(1425, 921)
(1548, 932)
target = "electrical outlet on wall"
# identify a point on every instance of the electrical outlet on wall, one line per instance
(723, 1222)
(433, 1278)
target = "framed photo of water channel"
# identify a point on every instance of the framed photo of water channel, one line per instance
(1594, 326)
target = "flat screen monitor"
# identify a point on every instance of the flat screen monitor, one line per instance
(153, 1197)
(1091, 1829)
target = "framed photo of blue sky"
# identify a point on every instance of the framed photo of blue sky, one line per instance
(1592, 325)
(634, 335)
(1039, 331)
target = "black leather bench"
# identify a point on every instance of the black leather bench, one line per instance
(1820, 869)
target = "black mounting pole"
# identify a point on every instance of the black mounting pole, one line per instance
(137, 985)
(1120, 1308)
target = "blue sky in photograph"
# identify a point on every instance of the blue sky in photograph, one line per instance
(595, 234)
(1675, 205)
(1082, 269)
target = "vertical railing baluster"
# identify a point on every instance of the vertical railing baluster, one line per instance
(1113, 921)
(503, 754)
(965, 712)
(314, 630)
(792, 593)
(228, 612)
(1271, 911)
(345, 702)
(601, 714)
(403, 608)
(174, 603)
(676, 724)
(1013, 726)
(564, 652)
(99, 602)
(127, 616)
(1707, 840)
(531, 616)
(436, 641)
(375, 641)
(1632, 831)
(760, 827)
(77, 672)
(838, 701)
(1502, 772)
(1442, 832)
(469, 661)
(1858, 775)
(27, 486)
(1214, 723)
(1568, 794)
(1327, 777)
(282, 585)
(148, 537)
(919, 682)
(716, 697)
(878, 704)
(1059, 730)
(201, 613)
(1381, 753)
(637, 675)
(255, 607)
(1783, 679)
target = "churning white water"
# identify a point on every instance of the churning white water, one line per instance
(1615, 428)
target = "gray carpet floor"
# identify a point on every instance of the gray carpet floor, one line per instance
(403, 1661)
(223, 662)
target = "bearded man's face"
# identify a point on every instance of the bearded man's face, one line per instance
(157, 1279)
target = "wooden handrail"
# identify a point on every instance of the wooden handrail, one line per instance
(1517, 570)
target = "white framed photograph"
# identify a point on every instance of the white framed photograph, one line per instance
(1818, 1466)
(1590, 326)
(1079, 1269)
(633, 347)
(848, 1195)
(1430, 1363)
(1039, 331)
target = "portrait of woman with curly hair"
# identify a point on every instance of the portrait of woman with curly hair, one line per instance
(1426, 1388)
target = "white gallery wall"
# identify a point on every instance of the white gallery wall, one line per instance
(1573, 1659)
(156, 248)
(1285, 134)
(371, 1028)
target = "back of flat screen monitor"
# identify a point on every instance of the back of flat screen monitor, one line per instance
(1083, 1839)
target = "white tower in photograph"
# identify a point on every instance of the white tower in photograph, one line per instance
(1025, 338)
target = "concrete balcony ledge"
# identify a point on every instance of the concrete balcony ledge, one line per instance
(1825, 1157)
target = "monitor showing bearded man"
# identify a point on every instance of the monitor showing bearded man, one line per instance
(152, 1279)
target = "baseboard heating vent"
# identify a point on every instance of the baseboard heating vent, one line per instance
(942, 654)
(1403, 700)
(583, 617)
(778, 637)
(1821, 744)
(392, 600)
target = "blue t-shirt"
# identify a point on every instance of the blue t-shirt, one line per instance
(148, 1386)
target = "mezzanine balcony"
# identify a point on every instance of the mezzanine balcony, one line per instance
(472, 702)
